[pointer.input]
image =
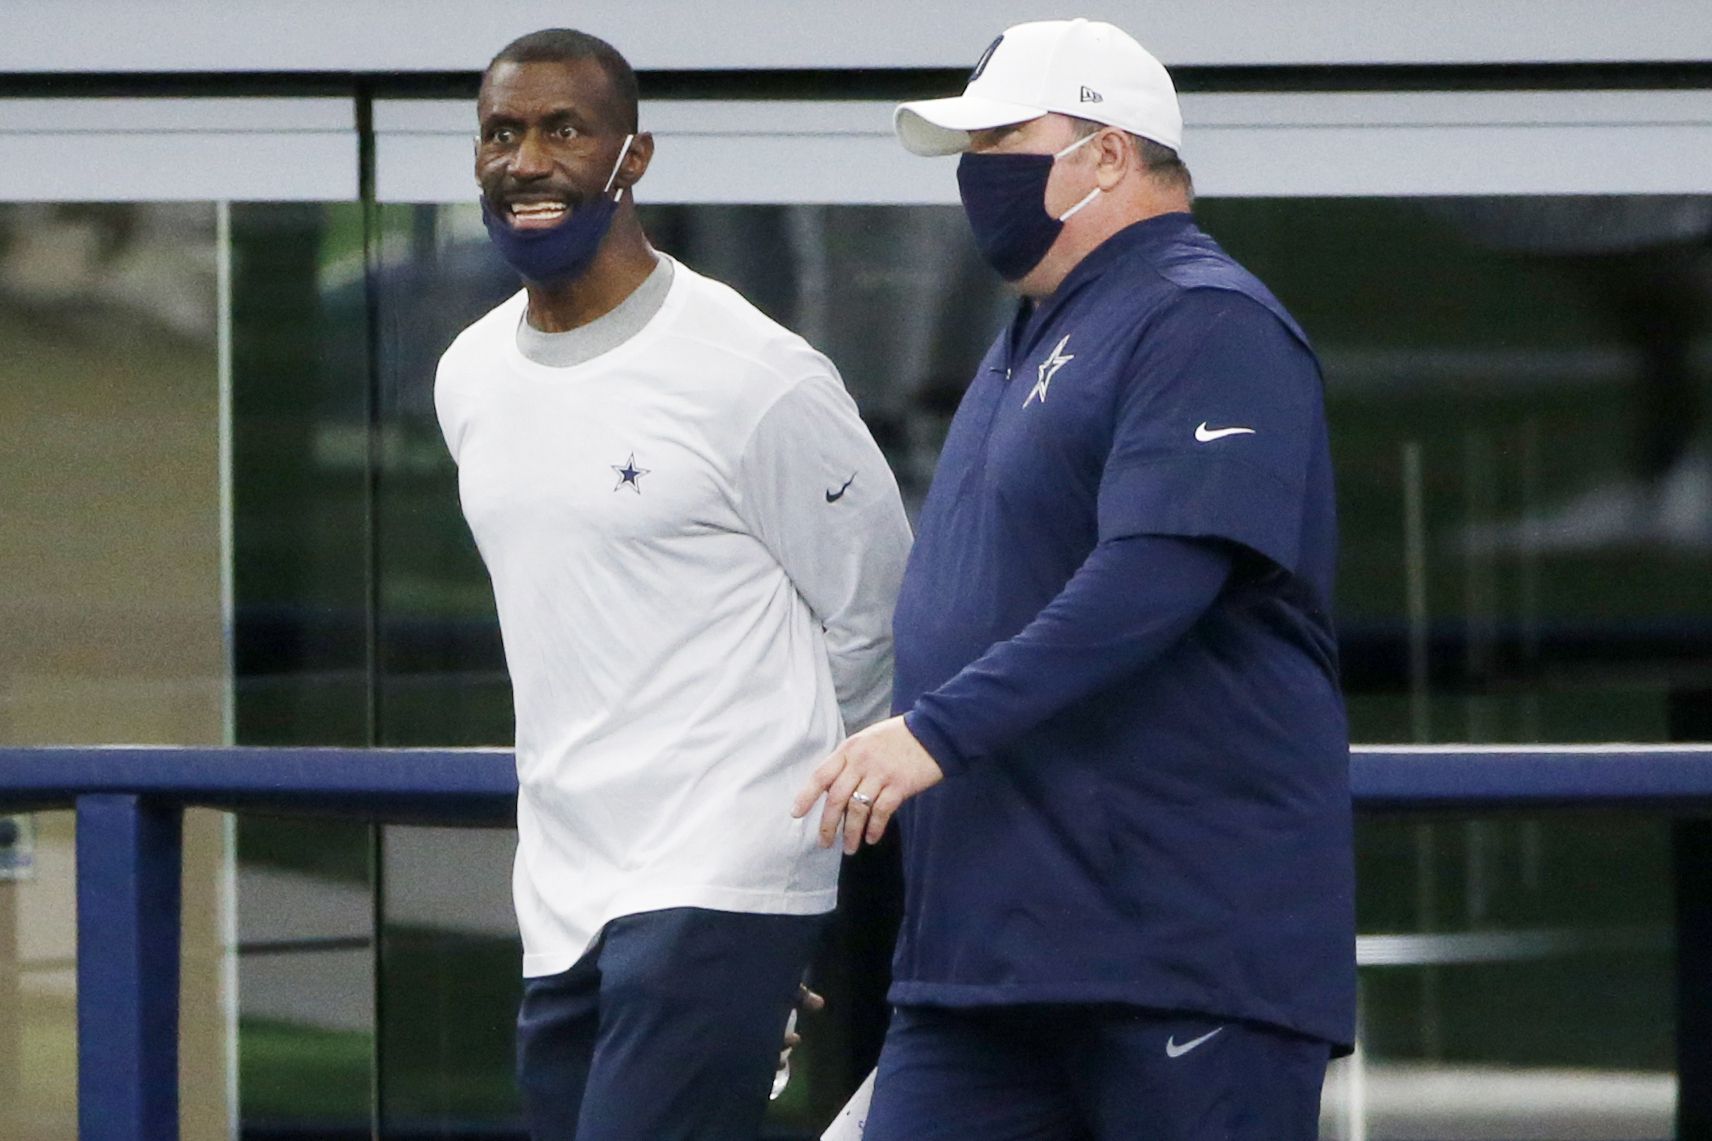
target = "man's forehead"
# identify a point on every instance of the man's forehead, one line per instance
(545, 86)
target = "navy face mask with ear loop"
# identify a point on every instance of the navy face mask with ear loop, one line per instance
(564, 252)
(1004, 196)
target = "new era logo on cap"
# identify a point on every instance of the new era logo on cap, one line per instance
(1083, 68)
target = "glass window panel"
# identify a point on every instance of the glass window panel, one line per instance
(1458, 332)
(1546, 360)
(1550, 391)
(302, 542)
(300, 399)
(109, 448)
(38, 981)
(1516, 391)
(306, 979)
(1518, 980)
(114, 612)
(450, 954)
(450, 981)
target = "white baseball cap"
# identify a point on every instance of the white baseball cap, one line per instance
(1084, 68)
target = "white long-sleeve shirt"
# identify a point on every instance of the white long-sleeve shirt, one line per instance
(695, 547)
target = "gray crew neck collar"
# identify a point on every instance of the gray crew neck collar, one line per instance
(603, 334)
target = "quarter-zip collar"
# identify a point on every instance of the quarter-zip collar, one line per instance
(1033, 317)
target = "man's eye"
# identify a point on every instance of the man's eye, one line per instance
(566, 132)
(500, 135)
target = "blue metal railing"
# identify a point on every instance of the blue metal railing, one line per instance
(130, 801)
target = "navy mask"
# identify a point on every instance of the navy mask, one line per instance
(1004, 196)
(562, 253)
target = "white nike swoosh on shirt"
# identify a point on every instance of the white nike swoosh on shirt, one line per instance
(1206, 435)
(1172, 1050)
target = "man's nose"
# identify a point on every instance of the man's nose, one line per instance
(531, 158)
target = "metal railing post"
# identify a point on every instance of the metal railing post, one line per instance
(129, 857)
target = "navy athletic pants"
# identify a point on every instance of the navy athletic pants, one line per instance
(1092, 1073)
(667, 1029)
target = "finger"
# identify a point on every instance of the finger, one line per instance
(856, 820)
(885, 805)
(837, 799)
(792, 1041)
(818, 782)
(809, 1000)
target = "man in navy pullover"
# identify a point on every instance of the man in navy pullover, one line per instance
(1129, 900)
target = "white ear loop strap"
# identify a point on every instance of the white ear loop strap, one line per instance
(1074, 145)
(623, 153)
(1092, 194)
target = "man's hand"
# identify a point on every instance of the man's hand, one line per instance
(865, 780)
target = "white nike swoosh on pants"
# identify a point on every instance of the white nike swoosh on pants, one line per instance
(1172, 1050)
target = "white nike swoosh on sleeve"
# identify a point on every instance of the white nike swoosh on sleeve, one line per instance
(1206, 435)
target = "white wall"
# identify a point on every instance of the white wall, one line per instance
(1239, 145)
(155, 150)
(1315, 145)
(38, 36)
(1353, 143)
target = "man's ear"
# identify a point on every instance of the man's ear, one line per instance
(1117, 157)
(636, 160)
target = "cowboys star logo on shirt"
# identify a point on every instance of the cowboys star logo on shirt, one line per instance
(1048, 369)
(629, 475)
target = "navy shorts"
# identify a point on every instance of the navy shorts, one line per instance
(668, 1029)
(1092, 1073)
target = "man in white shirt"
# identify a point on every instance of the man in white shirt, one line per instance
(695, 548)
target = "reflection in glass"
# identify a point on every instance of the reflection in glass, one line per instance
(1497, 374)
(1545, 357)
(1517, 982)
(1487, 392)
(110, 549)
(301, 545)
(300, 404)
(109, 430)
(38, 987)
(1532, 383)
(451, 979)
